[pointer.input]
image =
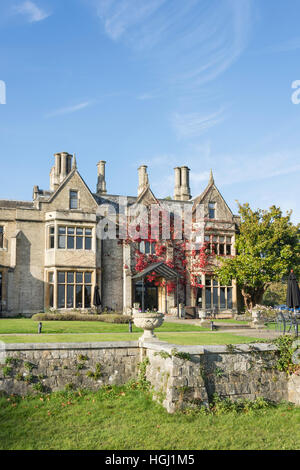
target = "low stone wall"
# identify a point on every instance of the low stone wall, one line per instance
(53, 367)
(194, 374)
(179, 375)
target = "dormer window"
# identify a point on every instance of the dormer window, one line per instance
(212, 210)
(73, 199)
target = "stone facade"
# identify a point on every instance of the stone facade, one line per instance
(179, 375)
(52, 258)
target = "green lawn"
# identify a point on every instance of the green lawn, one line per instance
(120, 418)
(26, 325)
(192, 338)
(24, 330)
(231, 320)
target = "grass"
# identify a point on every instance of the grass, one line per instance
(231, 320)
(182, 338)
(26, 325)
(125, 419)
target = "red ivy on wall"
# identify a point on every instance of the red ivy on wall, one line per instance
(173, 252)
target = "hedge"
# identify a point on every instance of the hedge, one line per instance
(69, 316)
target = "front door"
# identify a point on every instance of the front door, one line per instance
(150, 295)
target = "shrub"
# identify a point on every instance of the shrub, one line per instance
(71, 316)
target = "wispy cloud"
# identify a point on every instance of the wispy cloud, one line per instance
(32, 12)
(240, 168)
(195, 124)
(68, 109)
(119, 16)
(193, 41)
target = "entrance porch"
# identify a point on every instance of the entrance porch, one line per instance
(151, 296)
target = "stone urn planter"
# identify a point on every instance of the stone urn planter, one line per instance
(148, 321)
(257, 320)
(204, 320)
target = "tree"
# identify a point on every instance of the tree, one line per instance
(267, 247)
(275, 294)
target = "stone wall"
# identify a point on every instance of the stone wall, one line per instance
(179, 375)
(112, 275)
(71, 365)
(194, 374)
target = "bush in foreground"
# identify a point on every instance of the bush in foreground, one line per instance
(71, 316)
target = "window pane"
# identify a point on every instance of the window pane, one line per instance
(1, 236)
(70, 278)
(221, 249)
(222, 298)
(51, 277)
(147, 248)
(79, 278)
(51, 244)
(73, 199)
(199, 297)
(51, 291)
(79, 231)
(215, 296)
(207, 298)
(211, 213)
(71, 230)
(70, 244)
(61, 276)
(87, 296)
(142, 247)
(208, 281)
(88, 278)
(61, 241)
(229, 297)
(79, 243)
(78, 296)
(88, 243)
(70, 296)
(88, 231)
(61, 296)
(228, 249)
(61, 230)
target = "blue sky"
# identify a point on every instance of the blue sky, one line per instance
(203, 83)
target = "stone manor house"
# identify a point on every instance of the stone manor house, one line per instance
(51, 257)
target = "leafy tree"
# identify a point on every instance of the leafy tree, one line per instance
(267, 248)
(275, 294)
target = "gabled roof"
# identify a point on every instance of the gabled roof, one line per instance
(211, 185)
(159, 268)
(65, 181)
(146, 197)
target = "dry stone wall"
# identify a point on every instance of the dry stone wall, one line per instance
(179, 375)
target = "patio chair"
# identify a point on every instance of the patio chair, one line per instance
(287, 321)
